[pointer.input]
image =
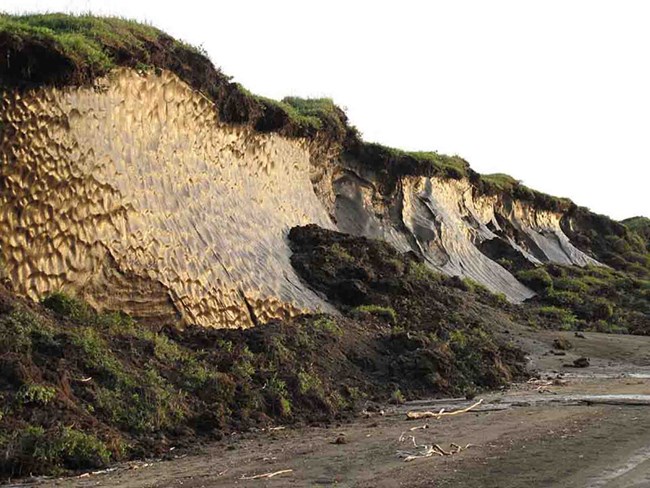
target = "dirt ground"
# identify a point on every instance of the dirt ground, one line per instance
(534, 434)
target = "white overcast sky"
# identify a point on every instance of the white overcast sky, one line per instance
(555, 93)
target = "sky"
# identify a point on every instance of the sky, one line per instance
(554, 93)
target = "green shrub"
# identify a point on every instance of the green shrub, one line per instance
(328, 325)
(146, 404)
(568, 299)
(602, 309)
(385, 313)
(422, 272)
(34, 450)
(474, 286)
(570, 284)
(97, 356)
(563, 318)
(35, 394)
(458, 338)
(537, 278)
(20, 329)
(608, 327)
(278, 395)
(309, 383)
(397, 397)
(67, 306)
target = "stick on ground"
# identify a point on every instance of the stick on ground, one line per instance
(267, 475)
(441, 413)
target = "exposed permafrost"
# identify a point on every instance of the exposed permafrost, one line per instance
(134, 195)
(445, 222)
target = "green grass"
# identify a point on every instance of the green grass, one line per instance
(501, 181)
(452, 166)
(35, 394)
(385, 313)
(90, 42)
(32, 447)
(426, 163)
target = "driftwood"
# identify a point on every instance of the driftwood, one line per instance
(425, 451)
(441, 413)
(267, 475)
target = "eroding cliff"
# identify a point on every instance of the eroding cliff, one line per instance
(134, 194)
(446, 222)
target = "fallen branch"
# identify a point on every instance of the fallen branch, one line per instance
(441, 450)
(403, 437)
(426, 451)
(267, 475)
(441, 413)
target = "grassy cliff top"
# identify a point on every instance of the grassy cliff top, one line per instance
(60, 49)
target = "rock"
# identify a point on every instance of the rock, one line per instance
(580, 335)
(562, 344)
(581, 362)
(558, 353)
(341, 439)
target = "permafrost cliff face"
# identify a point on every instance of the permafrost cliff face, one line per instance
(134, 195)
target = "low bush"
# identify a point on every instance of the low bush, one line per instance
(385, 313)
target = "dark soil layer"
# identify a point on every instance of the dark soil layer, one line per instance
(82, 389)
(442, 328)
